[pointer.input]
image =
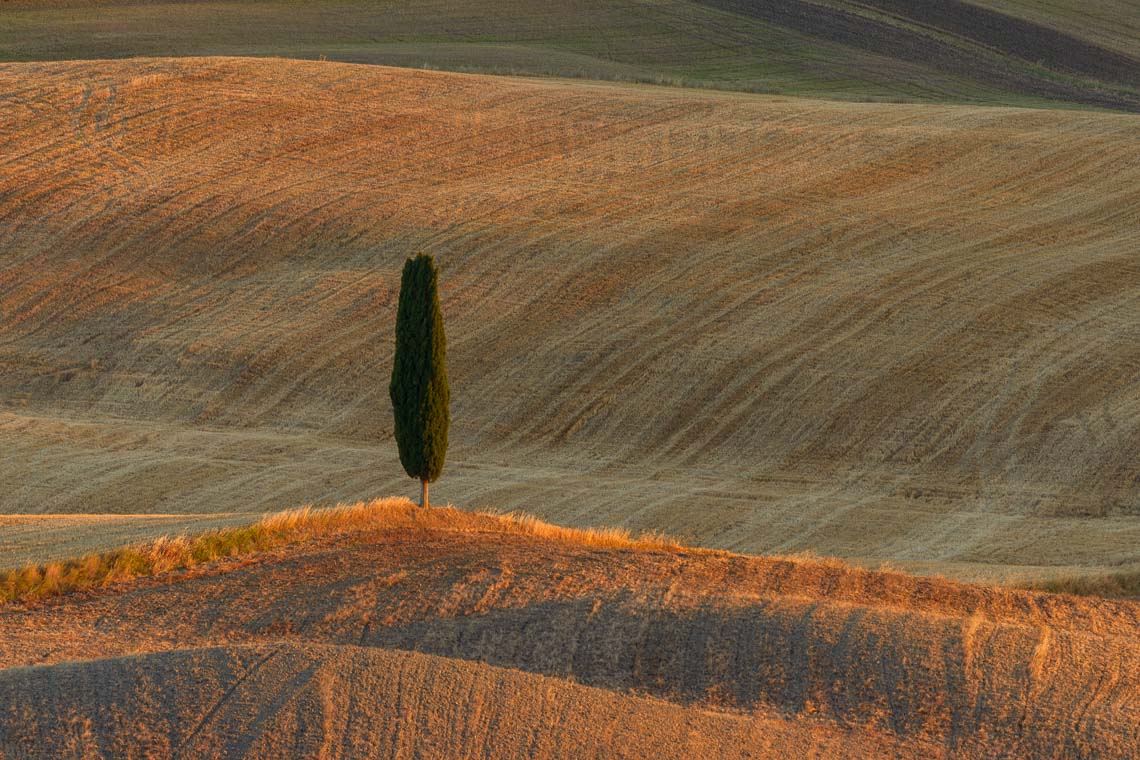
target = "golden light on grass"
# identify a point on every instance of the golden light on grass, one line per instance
(181, 552)
(168, 553)
(1122, 584)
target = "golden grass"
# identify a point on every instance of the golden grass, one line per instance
(1120, 585)
(601, 538)
(167, 553)
(170, 553)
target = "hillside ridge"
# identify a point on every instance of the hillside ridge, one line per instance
(810, 643)
(312, 684)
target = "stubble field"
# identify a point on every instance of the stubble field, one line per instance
(888, 332)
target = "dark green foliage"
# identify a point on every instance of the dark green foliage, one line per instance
(419, 391)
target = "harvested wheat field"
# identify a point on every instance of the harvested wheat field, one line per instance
(903, 333)
(395, 633)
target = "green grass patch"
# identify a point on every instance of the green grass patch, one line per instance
(674, 42)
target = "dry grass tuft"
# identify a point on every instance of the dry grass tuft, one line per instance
(602, 538)
(166, 553)
(1120, 585)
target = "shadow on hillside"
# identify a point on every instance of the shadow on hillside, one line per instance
(906, 673)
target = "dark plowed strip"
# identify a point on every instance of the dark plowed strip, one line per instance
(899, 42)
(1030, 42)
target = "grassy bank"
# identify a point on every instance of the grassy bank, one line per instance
(182, 552)
(166, 554)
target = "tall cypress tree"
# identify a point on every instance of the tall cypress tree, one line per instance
(419, 391)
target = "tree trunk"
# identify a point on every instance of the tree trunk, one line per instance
(424, 494)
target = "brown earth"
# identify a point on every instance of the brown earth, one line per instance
(1031, 42)
(1110, 24)
(963, 39)
(447, 643)
(904, 333)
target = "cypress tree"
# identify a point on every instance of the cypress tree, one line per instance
(419, 391)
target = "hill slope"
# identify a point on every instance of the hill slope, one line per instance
(285, 700)
(1066, 52)
(665, 647)
(890, 332)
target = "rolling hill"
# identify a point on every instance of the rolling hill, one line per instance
(452, 642)
(885, 332)
(897, 333)
(997, 52)
(266, 700)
